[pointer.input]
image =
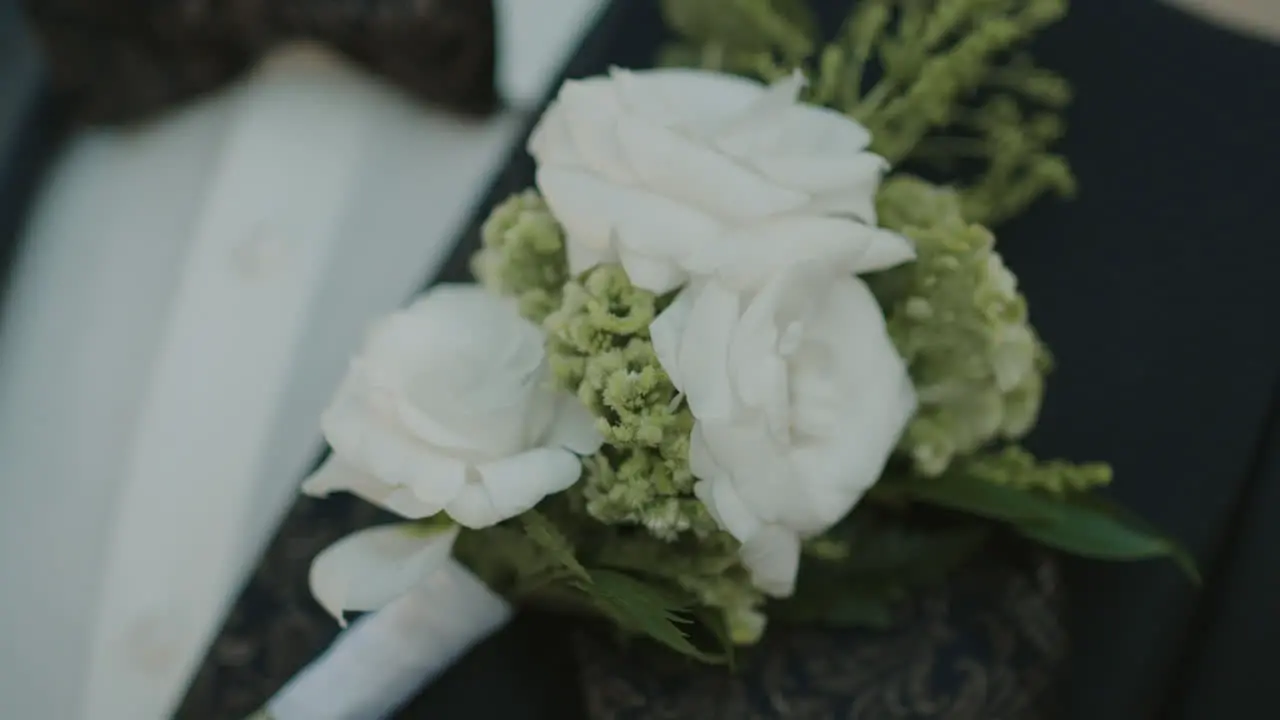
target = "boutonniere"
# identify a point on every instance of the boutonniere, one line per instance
(734, 344)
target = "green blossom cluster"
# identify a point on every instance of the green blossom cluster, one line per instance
(958, 320)
(522, 254)
(1016, 468)
(912, 71)
(599, 348)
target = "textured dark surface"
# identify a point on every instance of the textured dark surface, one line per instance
(275, 627)
(122, 60)
(989, 646)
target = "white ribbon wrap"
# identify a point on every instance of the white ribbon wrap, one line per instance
(384, 658)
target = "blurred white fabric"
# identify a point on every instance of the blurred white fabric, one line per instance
(183, 303)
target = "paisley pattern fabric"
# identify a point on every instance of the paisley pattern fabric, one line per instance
(122, 60)
(987, 647)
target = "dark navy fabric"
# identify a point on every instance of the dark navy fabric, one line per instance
(30, 127)
(1156, 291)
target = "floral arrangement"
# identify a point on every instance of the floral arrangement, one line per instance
(724, 367)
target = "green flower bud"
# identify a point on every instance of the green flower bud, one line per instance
(598, 348)
(958, 320)
(522, 254)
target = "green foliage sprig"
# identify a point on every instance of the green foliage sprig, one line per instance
(599, 348)
(940, 83)
(1070, 518)
(522, 254)
(957, 318)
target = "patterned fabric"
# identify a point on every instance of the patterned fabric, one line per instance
(988, 647)
(121, 60)
(275, 627)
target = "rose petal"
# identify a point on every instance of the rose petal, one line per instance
(683, 96)
(334, 475)
(368, 441)
(693, 172)
(592, 110)
(574, 427)
(874, 402)
(764, 475)
(589, 232)
(641, 222)
(370, 568)
(703, 463)
(840, 184)
(813, 130)
(839, 246)
(704, 352)
(666, 332)
(443, 318)
(655, 275)
(758, 360)
(551, 140)
(749, 474)
(540, 414)
(761, 128)
(583, 256)
(453, 370)
(772, 555)
(727, 508)
(505, 488)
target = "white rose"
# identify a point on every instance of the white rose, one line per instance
(449, 407)
(799, 397)
(678, 173)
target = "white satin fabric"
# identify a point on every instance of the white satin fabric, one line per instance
(383, 659)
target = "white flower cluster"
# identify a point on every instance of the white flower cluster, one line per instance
(759, 211)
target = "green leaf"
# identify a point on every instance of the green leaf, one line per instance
(644, 608)
(1078, 523)
(714, 620)
(975, 496)
(1098, 528)
(544, 533)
